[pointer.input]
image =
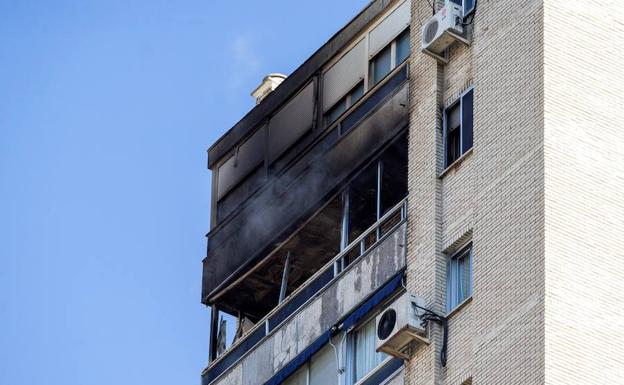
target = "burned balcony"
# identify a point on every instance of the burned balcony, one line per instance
(298, 183)
(361, 203)
(308, 198)
(369, 268)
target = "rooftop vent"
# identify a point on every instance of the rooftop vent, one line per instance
(269, 83)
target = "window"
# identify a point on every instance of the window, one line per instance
(343, 104)
(402, 47)
(459, 278)
(467, 5)
(320, 369)
(365, 358)
(323, 369)
(300, 377)
(381, 65)
(458, 128)
(389, 58)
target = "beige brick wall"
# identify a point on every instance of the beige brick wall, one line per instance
(496, 194)
(584, 177)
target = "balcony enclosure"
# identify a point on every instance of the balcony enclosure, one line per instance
(360, 204)
(310, 184)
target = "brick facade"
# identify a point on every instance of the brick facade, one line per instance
(541, 195)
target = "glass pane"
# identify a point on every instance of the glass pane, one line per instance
(335, 111)
(366, 358)
(381, 65)
(402, 47)
(461, 284)
(465, 279)
(323, 367)
(226, 329)
(356, 93)
(467, 120)
(468, 6)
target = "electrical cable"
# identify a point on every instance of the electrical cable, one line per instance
(339, 369)
(432, 7)
(430, 315)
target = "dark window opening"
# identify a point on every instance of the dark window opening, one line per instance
(458, 128)
(363, 202)
(310, 248)
(377, 189)
(394, 175)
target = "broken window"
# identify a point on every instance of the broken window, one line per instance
(307, 250)
(362, 202)
(345, 217)
(394, 175)
(226, 327)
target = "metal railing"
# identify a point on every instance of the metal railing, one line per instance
(310, 289)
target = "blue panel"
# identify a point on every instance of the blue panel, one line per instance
(232, 356)
(369, 104)
(382, 374)
(467, 117)
(356, 316)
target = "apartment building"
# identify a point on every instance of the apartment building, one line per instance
(434, 197)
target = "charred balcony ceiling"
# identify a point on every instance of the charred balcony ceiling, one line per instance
(287, 158)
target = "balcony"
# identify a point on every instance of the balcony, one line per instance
(304, 183)
(368, 269)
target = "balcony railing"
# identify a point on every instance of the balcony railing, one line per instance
(338, 266)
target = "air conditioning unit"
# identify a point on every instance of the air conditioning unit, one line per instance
(445, 27)
(399, 324)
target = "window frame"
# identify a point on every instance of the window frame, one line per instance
(348, 101)
(452, 278)
(462, 3)
(445, 131)
(392, 45)
(350, 354)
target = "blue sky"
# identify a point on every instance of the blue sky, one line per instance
(107, 108)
